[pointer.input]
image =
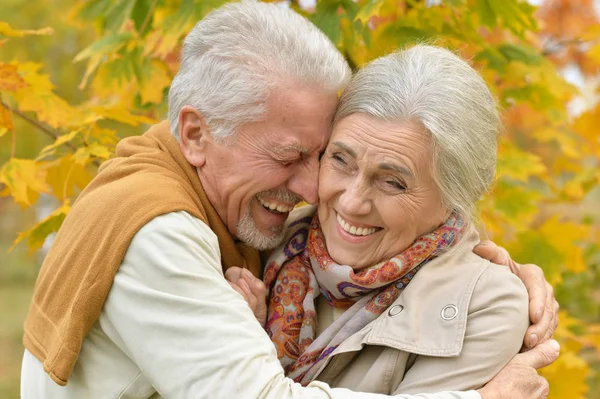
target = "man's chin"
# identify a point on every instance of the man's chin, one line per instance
(249, 233)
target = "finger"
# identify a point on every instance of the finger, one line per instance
(537, 288)
(543, 329)
(556, 316)
(538, 357)
(251, 298)
(233, 273)
(551, 309)
(238, 290)
(488, 250)
(496, 254)
(257, 287)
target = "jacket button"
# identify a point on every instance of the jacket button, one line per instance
(449, 312)
(395, 310)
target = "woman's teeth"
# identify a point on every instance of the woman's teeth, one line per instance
(357, 231)
(276, 207)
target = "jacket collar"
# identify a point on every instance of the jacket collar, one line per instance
(430, 316)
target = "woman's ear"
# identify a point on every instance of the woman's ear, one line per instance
(193, 135)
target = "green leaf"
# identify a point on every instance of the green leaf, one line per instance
(118, 14)
(515, 15)
(519, 165)
(515, 202)
(455, 3)
(351, 8)
(368, 10)
(486, 13)
(494, 58)
(533, 247)
(109, 44)
(140, 14)
(523, 53)
(327, 19)
(94, 9)
(403, 35)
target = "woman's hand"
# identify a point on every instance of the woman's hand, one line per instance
(252, 289)
(543, 307)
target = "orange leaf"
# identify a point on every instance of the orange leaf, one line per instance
(10, 80)
(6, 122)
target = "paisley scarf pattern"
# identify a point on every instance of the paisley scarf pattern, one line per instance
(297, 273)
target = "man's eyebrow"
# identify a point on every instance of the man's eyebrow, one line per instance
(401, 169)
(345, 148)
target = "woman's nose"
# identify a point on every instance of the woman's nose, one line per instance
(355, 200)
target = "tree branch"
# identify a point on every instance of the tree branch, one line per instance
(41, 127)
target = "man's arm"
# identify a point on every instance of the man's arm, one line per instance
(543, 307)
(173, 313)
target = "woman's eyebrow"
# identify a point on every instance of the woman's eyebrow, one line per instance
(344, 147)
(401, 169)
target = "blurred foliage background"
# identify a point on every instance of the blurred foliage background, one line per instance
(76, 76)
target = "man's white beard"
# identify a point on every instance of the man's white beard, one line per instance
(248, 232)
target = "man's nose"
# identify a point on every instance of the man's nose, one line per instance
(305, 182)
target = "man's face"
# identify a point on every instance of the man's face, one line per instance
(255, 178)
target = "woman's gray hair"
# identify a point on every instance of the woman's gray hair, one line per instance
(233, 56)
(435, 88)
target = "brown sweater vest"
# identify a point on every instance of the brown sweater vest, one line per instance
(148, 178)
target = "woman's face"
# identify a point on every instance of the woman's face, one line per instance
(376, 190)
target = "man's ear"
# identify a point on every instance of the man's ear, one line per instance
(193, 135)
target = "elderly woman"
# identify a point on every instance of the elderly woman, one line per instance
(378, 290)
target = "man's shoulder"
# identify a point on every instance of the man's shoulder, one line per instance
(178, 223)
(174, 232)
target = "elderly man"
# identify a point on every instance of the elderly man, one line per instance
(131, 301)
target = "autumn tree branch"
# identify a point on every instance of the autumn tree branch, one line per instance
(41, 127)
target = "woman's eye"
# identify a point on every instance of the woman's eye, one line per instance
(338, 158)
(396, 185)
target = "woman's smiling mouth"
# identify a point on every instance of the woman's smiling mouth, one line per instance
(358, 231)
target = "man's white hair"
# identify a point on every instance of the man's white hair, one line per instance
(435, 88)
(233, 56)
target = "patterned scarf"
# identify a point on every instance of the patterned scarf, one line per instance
(300, 271)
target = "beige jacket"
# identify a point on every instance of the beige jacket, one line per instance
(457, 323)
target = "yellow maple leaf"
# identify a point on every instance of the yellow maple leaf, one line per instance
(10, 80)
(565, 237)
(64, 175)
(567, 377)
(65, 138)
(586, 125)
(37, 234)
(39, 97)
(568, 145)
(518, 164)
(151, 90)
(94, 150)
(24, 179)
(122, 115)
(6, 30)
